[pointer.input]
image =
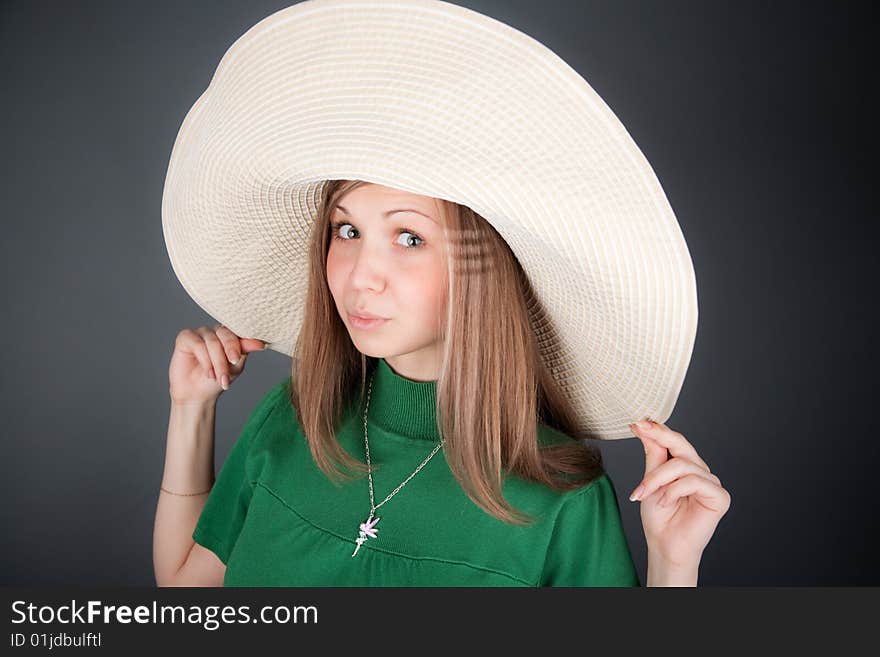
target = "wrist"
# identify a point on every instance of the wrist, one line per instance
(663, 572)
(192, 419)
(193, 406)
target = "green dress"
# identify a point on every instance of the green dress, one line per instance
(274, 518)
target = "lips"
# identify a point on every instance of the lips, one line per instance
(364, 315)
(361, 324)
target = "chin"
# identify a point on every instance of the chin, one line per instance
(367, 348)
(372, 352)
(379, 350)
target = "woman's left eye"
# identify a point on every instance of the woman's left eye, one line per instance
(412, 236)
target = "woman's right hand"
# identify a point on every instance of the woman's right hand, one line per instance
(202, 358)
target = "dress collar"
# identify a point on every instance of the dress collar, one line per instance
(402, 406)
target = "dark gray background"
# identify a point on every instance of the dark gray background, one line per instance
(752, 115)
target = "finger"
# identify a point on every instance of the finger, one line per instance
(252, 344)
(218, 357)
(675, 442)
(200, 351)
(673, 469)
(708, 493)
(231, 344)
(655, 453)
(194, 344)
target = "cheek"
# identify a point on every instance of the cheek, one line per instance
(335, 274)
(431, 293)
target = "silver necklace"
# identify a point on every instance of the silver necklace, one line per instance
(367, 529)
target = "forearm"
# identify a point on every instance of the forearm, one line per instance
(662, 573)
(189, 468)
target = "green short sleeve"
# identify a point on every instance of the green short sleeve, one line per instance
(225, 509)
(588, 546)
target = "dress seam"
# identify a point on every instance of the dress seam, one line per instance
(387, 551)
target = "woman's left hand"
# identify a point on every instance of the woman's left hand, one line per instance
(682, 501)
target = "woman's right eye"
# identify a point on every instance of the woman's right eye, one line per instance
(336, 228)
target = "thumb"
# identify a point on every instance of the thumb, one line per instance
(655, 453)
(249, 345)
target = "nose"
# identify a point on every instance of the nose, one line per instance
(367, 273)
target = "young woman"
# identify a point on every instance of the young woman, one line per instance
(379, 308)
(474, 270)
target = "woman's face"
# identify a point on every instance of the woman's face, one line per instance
(388, 260)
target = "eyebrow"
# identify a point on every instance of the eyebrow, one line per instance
(390, 212)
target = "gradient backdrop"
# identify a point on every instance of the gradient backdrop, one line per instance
(754, 116)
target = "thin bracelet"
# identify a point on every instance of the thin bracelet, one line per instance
(183, 494)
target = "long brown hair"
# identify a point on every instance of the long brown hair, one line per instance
(493, 388)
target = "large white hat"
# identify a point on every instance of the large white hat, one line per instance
(438, 100)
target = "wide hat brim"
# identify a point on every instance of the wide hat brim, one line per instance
(442, 101)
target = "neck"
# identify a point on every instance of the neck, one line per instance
(419, 367)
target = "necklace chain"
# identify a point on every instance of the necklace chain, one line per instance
(374, 506)
(368, 528)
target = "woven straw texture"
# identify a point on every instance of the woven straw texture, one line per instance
(442, 101)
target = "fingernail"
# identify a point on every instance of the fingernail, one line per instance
(637, 493)
(236, 362)
(644, 424)
(224, 382)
